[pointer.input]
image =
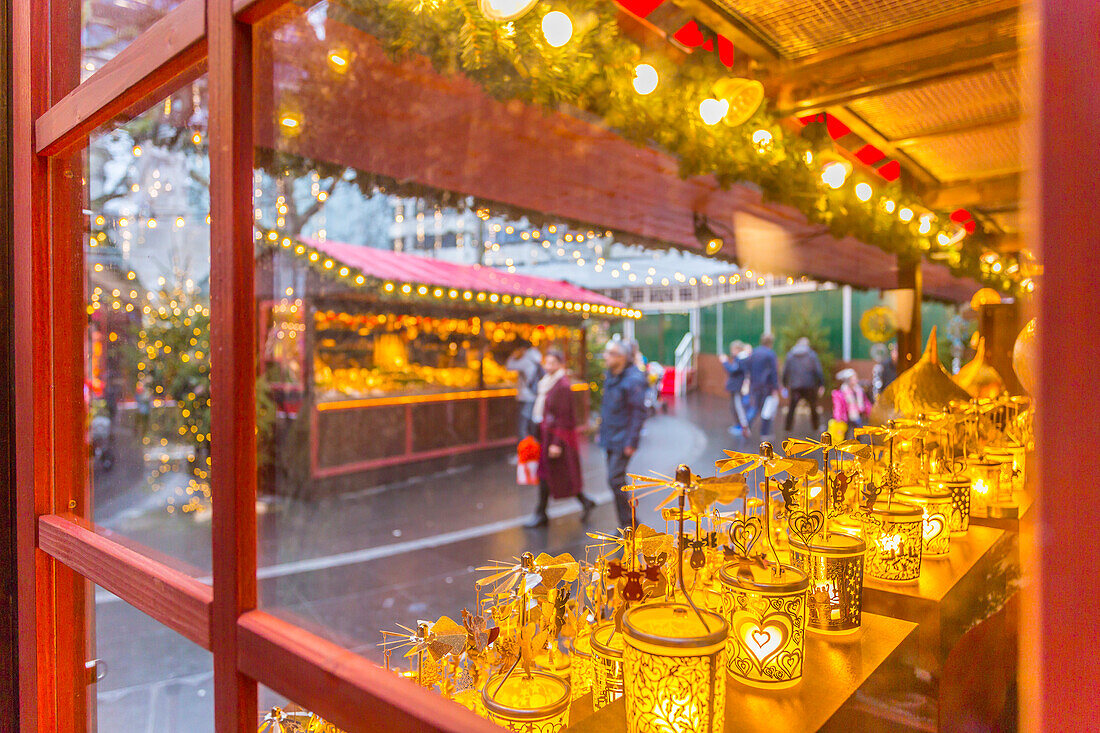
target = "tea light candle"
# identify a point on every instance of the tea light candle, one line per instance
(580, 680)
(935, 506)
(985, 485)
(959, 488)
(538, 703)
(607, 662)
(766, 612)
(675, 669)
(894, 536)
(834, 564)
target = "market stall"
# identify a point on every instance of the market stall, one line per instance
(397, 360)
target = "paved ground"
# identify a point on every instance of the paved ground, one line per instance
(349, 566)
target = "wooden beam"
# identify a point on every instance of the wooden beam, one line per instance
(996, 192)
(913, 173)
(233, 352)
(961, 128)
(817, 82)
(173, 598)
(139, 75)
(745, 40)
(340, 685)
(253, 11)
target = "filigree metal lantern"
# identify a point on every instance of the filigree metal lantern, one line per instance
(675, 669)
(607, 662)
(1011, 459)
(834, 564)
(959, 488)
(935, 505)
(580, 680)
(894, 536)
(766, 611)
(535, 703)
(985, 485)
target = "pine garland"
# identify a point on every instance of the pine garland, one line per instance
(594, 73)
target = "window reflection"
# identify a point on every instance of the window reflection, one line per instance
(108, 26)
(147, 377)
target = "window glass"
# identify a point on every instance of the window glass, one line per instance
(151, 679)
(147, 340)
(108, 26)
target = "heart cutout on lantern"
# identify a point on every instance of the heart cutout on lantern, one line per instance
(744, 533)
(789, 662)
(762, 638)
(934, 527)
(805, 525)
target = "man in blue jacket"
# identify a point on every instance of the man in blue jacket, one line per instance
(763, 368)
(621, 418)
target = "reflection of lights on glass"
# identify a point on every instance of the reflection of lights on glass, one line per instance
(645, 79)
(557, 28)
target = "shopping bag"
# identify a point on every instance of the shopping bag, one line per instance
(769, 408)
(527, 463)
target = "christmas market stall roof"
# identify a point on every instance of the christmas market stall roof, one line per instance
(411, 275)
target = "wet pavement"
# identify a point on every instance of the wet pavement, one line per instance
(348, 566)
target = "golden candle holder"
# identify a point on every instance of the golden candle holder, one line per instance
(958, 521)
(607, 662)
(766, 611)
(834, 564)
(675, 669)
(848, 524)
(535, 703)
(894, 536)
(935, 505)
(580, 680)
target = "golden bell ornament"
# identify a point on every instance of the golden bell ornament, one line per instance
(1025, 355)
(744, 97)
(978, 377)
(924, 387)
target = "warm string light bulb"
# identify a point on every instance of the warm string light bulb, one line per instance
(645, 79)
(713, 110)
(557, 28)
(834, 174)
(864, 192)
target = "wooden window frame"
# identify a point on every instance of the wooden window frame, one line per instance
(58, 547)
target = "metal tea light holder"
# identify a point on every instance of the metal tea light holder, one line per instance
(894, 536)
(675, 669)
(582, 670)
(674, 661)
(765, 602)
(607, 664)
(936, 506)
(537, 702)
(834, 563)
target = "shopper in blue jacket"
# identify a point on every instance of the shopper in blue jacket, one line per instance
(621, 418)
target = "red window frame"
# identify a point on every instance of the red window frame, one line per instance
(58, 546)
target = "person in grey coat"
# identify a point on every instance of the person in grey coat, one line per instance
(621, 416)
(803, 380)
(526, 361)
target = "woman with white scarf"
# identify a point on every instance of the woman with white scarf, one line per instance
(555, 419)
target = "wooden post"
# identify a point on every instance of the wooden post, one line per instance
(910, 343)
(1060, 622)
(232, 377)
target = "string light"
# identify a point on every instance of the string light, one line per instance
(557, 28)
(864, 191)
(645, 79)
(713, 110)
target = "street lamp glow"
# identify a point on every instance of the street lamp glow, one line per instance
(863, 191)
(645, 79)
(557, 28)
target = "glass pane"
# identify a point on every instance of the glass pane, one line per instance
(147, 379)
(108, 26)
(152, 680)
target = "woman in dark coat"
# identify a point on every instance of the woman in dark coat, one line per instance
(560, 458)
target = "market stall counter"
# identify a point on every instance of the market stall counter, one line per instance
(395, 364)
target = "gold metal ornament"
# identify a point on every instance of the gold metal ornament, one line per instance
(924, 387)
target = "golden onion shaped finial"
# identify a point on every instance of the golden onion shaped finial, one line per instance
(978, 377)
(924, 387)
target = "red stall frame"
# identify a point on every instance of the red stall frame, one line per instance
(58, 549)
